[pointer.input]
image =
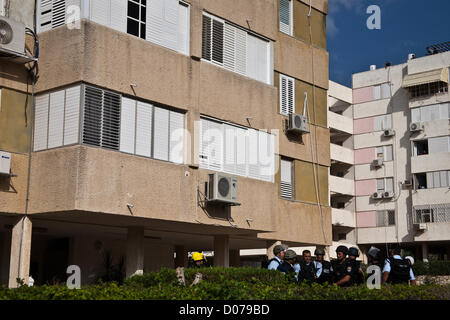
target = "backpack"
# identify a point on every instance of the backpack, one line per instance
(400, 270)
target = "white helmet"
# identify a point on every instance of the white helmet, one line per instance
(411, 259)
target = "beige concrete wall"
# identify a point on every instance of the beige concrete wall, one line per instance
(13, 76)
(13, 189)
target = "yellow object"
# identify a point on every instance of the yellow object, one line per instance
(196, 256)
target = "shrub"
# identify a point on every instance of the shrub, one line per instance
(432, 268)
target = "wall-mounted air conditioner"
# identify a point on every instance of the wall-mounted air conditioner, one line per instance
(298, 123)
(415, 127)
(377, 162)
(377, 195)
(12, 35)
(5, 163)
(388, 194)
(222, 188)
(420, 226)
(389, 133)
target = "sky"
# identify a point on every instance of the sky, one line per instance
(407, 26)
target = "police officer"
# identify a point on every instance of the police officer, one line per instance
(342, 268)
(287, 266)
(397, 270)
(374, 257)
(326, 275)
(279, 252)
(198, 260)
(358, 274)
(310, 270)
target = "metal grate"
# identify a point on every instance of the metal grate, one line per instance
(438, 48)
(431, 213)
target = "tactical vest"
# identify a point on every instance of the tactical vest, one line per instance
(327, 273)
(400, 270)
(276, 260)
(340, 270)
(287, 269)
(307, 272)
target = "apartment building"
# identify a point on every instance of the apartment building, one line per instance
(401, 155)
(144, 112)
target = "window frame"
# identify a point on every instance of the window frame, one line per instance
(291, 17)
(288, 79)
(139, 21)
(292, 171)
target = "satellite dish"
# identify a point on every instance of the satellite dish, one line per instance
(6, 32)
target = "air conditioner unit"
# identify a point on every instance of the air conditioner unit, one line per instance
(5, 163)
(388, 194)
(12, 35)
(415, 126)
(389, 133)
(420, 226)
(222, 188)
(377, 195)
(377, 162)
(298, 123)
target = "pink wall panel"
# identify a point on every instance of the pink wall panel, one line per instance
(364, 125)
(361, 95)
(366, 219)
(363, 156)
(365, 187)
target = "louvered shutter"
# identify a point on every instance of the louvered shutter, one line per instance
(100, 11)
(380, 185)
(229, 47)
(443, 178)
(436, 179)
(389, 185)
(437, 145)
(127, 125)
(229, 150)
(385, 90)
(415, 115)
(286, 179)
(377, 92)
(118, 15)
(176, 138)
(72, 115)
(252, 154)
(435, 112)
(52, 14)
(161, 134)
(211, 145)
(56, 119)
(388, 154)
(206, 38)
(217, 41)
(144, 115)
(381, 218)
(111, 120)
(92, 117)
(183, 28)
(285, 16)
(240, 51)
(287, 95)
(430, 183)
(241, 152)
(170, 28)
(257, 58)
(41, 122)
(155, 21)
(266, 156)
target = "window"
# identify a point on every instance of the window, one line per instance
(287, 95)
(235, 49)
(420, 181)
(420, 147)
(286, 20)
(382, 122)
(433, 112)
(435, 179)
(385, 185)
(286, 182)
(431, 213)
(51, 14)
(439, 144)
(385, 218)
(385, 153)
(382, 91)
(236, 150)
(428, 89)
(136, 17)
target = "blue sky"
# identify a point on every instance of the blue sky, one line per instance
(407, 26)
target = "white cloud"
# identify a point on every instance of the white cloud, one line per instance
(332, 30)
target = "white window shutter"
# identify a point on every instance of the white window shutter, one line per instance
(388, 154)
(377, 92)
(144, 129)
(285, 16)
(252, 154)
(415, 115)
(56, 119)
(229, 47)
(380, 184)
(436, 179)
(127, 125)
(286, 179)
(58, 13)
(41, 122)
(266, 156)
(100, 11)
(385, 90)
(435, 112)
(183, 28)
(229, 149)
(290, 95)
(176, 130)
(389, 184)
(118, 15)
(240, 63)
(211, 145)
(170, 25)
(437, 145)
(161, 134)
(241, 152)
(72, 115)
(430, 180)
(257, 58)
(45, 15)
(425, 114)
(287, 95)
(443, 178)
(155, 21)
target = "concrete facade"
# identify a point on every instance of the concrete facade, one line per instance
(100, 208)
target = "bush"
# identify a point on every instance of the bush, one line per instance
(223, 284)
(432, 268)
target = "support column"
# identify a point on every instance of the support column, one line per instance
(19, 266)
(221, 251)
(135, 251)
(270, 246)
(425, 252)
(235, 258)
(181, 256)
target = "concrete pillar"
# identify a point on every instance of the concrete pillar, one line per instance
(425, 252)
(221, 251)
(235, 258)
(19, 265)
(270, 246)
(135, 251)
(181, 258)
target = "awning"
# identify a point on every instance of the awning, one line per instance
(425, 77)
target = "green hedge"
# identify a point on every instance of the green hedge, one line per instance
(223, 284)
(432, 268)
